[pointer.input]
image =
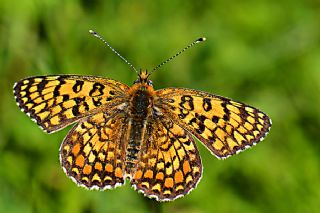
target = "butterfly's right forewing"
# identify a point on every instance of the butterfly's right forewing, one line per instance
(224, 126)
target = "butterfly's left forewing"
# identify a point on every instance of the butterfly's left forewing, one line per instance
(57, 101)
(223, 125)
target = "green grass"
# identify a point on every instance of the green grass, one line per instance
(264, 53)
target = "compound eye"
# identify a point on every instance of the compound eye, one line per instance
(149, 82)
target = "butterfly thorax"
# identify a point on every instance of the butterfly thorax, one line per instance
(141, 100)
(139, 112)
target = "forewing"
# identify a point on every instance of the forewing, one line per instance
(169, 163)
(92, 154)
(223, 125)
(57, 101)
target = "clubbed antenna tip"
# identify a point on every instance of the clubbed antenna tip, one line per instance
(95, 34)
(201, 39)
(181, 51)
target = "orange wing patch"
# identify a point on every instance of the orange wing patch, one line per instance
(91, 154)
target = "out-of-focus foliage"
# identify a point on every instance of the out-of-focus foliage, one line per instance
(264, 53)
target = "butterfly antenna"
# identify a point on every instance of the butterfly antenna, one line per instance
(113, 50)
(181, 51)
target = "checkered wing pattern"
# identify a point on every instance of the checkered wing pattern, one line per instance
(169, 164)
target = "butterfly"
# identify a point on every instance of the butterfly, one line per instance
(137, 132)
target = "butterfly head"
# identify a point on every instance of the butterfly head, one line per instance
(143, 78)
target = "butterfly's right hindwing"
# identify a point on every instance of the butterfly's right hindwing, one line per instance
(169, 165)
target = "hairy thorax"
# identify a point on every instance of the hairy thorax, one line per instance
(141, 103)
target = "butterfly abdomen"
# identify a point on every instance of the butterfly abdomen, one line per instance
(139, 111)
(136, 132)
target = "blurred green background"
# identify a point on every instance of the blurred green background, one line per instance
(264, 53)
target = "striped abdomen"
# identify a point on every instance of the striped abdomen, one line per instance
(139, 112)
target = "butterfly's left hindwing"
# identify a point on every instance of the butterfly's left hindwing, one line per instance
(224, 126)
(57, 101)
(92, 154)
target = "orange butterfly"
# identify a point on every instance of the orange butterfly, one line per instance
(138, 132)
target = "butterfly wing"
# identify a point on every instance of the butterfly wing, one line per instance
(92, 154)
(57, 101)
(223, 125)
(169, 163)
